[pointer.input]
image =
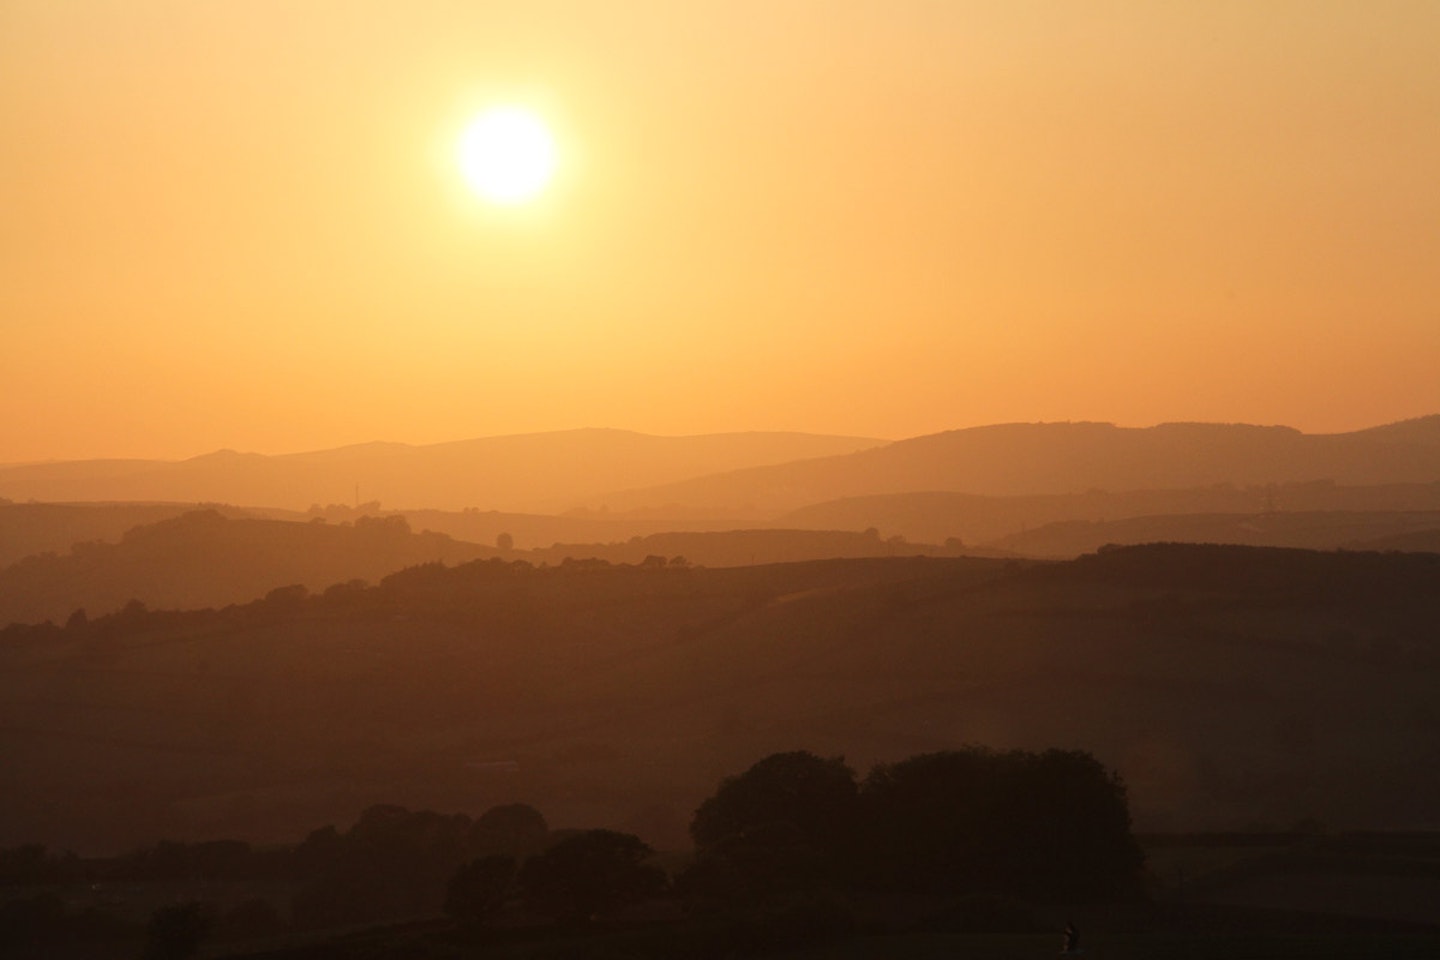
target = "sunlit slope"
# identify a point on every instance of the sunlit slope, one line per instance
(1230, 686)
(535, 472)
(1065, 458)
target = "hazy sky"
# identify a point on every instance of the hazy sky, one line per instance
(239, 223)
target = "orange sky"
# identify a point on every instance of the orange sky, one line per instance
(239, 224)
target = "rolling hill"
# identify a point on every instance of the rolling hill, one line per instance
(977, 519)
(1230, 686)
(1329, 530)
(205, 559)
(31, 528)
(1065, 458)
(539, 472)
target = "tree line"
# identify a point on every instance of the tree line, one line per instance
(1045, 827)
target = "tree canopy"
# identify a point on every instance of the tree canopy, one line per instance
(1051, 824)
(589, 874)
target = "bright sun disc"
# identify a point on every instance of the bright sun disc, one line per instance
(507, 155)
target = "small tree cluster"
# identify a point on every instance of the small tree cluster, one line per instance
(581, 877)
(395, 862)
(1052, 825)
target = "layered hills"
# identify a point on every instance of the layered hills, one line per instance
(505, 631)
(980, 519)
(35, 528)
(957, 492)
(744, 478)
(1069, 458)
(1327, 530)
(1230, 686)
(524, 472)
(205, 559)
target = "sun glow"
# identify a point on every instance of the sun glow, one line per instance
(507, 155)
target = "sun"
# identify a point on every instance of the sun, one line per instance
(507, 155)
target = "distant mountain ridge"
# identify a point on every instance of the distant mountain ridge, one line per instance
(1067, 458)
(753, 479)
(538, 472)
(936, 516)
(1424, 430)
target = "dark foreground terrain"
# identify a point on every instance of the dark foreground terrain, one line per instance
(1287, 698)
(1230, 687)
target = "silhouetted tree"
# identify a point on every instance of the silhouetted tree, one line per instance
(517, 829)
(1053, 824)
(287, 598)
(478, 889)
(589, 874)
(784, 824)
(413, 848)
(815, 797)
(505, 542)
(392, 862)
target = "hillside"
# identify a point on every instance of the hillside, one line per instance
(539, 472)
(1329, 530)
(1417, 541)
(976, 519)
(1230, 686)
(204, 559)
(740, 548)
(1062, 458)
(31, 528)
(1417, 430)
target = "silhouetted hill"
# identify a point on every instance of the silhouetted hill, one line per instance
(191, 558)
(30, 528)
(203, 558)
(525, 472)
(978, 519)
(739, 548)
(1316, 531)
(1418, 430)
(1416, 541)
(1230, 686)
(532, 531)
(1057, 458)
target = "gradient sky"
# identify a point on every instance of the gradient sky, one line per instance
(240, 224)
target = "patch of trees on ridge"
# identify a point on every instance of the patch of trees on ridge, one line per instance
(1042, 827)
